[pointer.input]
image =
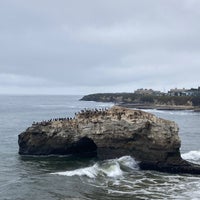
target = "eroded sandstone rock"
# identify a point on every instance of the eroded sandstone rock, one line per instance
(112, 133)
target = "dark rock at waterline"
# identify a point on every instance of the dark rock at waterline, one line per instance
(116, 132)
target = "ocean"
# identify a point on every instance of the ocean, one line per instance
(67, 178)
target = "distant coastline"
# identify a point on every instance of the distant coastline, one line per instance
(131, 100)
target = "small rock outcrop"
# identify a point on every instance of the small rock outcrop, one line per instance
(152, 141)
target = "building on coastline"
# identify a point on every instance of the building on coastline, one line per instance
(194, 92)
(178, 92)
(171, 92)
(184, 92)
(142, 91)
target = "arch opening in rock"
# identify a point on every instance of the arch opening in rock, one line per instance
(85, 147)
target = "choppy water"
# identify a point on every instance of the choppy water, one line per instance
(53, 178)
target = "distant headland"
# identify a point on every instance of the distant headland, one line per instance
(174, 99)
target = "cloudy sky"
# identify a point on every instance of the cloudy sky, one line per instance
(81, 47)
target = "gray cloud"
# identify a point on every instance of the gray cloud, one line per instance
(98, 46)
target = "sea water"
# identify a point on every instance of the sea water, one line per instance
(62, 177)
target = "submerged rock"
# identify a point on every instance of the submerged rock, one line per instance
(152, 141)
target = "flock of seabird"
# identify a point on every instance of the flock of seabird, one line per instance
(86, 113)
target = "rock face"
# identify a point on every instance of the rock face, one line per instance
(152, 141)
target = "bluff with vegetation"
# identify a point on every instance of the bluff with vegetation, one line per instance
(131, 98)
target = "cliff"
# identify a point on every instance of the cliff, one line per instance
(146, 101)
(152, 141)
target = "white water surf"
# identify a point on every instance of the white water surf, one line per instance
(107, 168)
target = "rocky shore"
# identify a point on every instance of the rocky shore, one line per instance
(197, 109)
(131, 100)
(119, 131)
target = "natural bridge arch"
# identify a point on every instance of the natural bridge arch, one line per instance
(84, 147)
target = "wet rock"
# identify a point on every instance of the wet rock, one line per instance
(152, 141)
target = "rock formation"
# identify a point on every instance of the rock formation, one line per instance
(152, 141)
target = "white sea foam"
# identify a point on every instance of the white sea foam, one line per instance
(91, 172)
(170, 112)
(153, 110)
(128, 161)
(111, 169)
(108, 105)
(192, 155)
(108, 168)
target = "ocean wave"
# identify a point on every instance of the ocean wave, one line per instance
(171, 112)
(192, 155)
(108, 168)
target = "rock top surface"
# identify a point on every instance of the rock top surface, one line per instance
(152, 141)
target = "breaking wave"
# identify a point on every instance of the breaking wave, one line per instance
(108, 168)
(192, 156)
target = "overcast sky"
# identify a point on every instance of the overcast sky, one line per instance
(89, 46)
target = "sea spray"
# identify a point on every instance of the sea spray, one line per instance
(108, 168)
(90, 172)
(192, 156)
(128, 162)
